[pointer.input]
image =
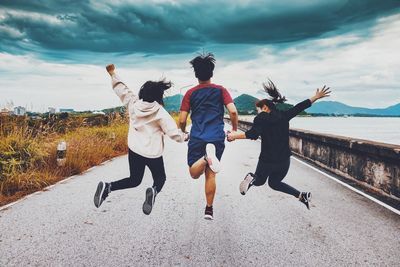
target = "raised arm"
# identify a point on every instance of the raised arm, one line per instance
(294, 111)
(123, 92)
(320, 93)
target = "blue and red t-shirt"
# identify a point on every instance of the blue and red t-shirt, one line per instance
(206, 103)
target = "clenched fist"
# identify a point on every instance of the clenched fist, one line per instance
(110, 69)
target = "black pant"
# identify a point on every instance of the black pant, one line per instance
(275, 172)
(137, 164)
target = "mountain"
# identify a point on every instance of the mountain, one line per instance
(173, 103)
(246, 104)
(120, 109)
(338, 108)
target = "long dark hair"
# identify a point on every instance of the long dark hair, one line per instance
(272, 91)
(154, 91)
(203, 66)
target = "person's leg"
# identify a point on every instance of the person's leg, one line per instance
(257, 179)
(196, 160)
(263, 170)
(137, 164)
(136, 167)
(275, 182)
(156, 167)
(276, 177)
(210, 186)
(198, 168)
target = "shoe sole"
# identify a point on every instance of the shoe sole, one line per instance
(208, 217)
(244, 185)
(308, 196)
(149, 201)
(212, 160)
(99, 192)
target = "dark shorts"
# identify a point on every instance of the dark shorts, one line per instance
(197, 149)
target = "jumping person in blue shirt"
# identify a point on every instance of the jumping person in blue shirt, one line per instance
(206, 102)
(273, 127)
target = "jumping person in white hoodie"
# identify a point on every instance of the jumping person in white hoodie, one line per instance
(148, 123)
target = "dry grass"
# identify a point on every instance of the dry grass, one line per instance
(28, 158)
(175, 116)
(28, 150)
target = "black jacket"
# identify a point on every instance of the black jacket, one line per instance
(273, 128)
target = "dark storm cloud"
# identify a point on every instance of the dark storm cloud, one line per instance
(77, 26)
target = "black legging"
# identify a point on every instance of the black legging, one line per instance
(137, 164)
(275, 172)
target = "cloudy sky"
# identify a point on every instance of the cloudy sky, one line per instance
(53, 53)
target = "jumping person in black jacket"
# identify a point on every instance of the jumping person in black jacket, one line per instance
(273, 127)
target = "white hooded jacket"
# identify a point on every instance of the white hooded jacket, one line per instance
(148, 122)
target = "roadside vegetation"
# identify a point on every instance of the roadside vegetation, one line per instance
(28, 149)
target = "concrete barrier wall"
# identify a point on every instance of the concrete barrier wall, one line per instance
(370, 164)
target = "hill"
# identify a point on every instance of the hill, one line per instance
(245, 104)
(338, 108)
(173, 103)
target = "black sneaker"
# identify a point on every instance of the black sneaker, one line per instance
(208, 213)
(103, 189)
(149, 200)
(246, 183)
(305, 198)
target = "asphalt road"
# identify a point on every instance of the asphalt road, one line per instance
(61, 226)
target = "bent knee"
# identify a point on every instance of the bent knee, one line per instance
(258, 181)
(135, 182)
(195, 176)
(273, 185)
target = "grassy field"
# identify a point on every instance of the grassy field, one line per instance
(28, 149)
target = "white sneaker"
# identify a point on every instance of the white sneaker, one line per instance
(246, 183)
(211, 157)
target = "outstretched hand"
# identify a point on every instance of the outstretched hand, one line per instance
(321, 93)
(110, 69)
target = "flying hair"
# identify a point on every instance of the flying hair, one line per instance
(203, 66)
(272, 91)
(154, 90)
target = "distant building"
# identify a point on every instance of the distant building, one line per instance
(68, 110)
(52, 110)
(5, 112)
(19, 111)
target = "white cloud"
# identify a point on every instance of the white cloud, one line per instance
(361, 72)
